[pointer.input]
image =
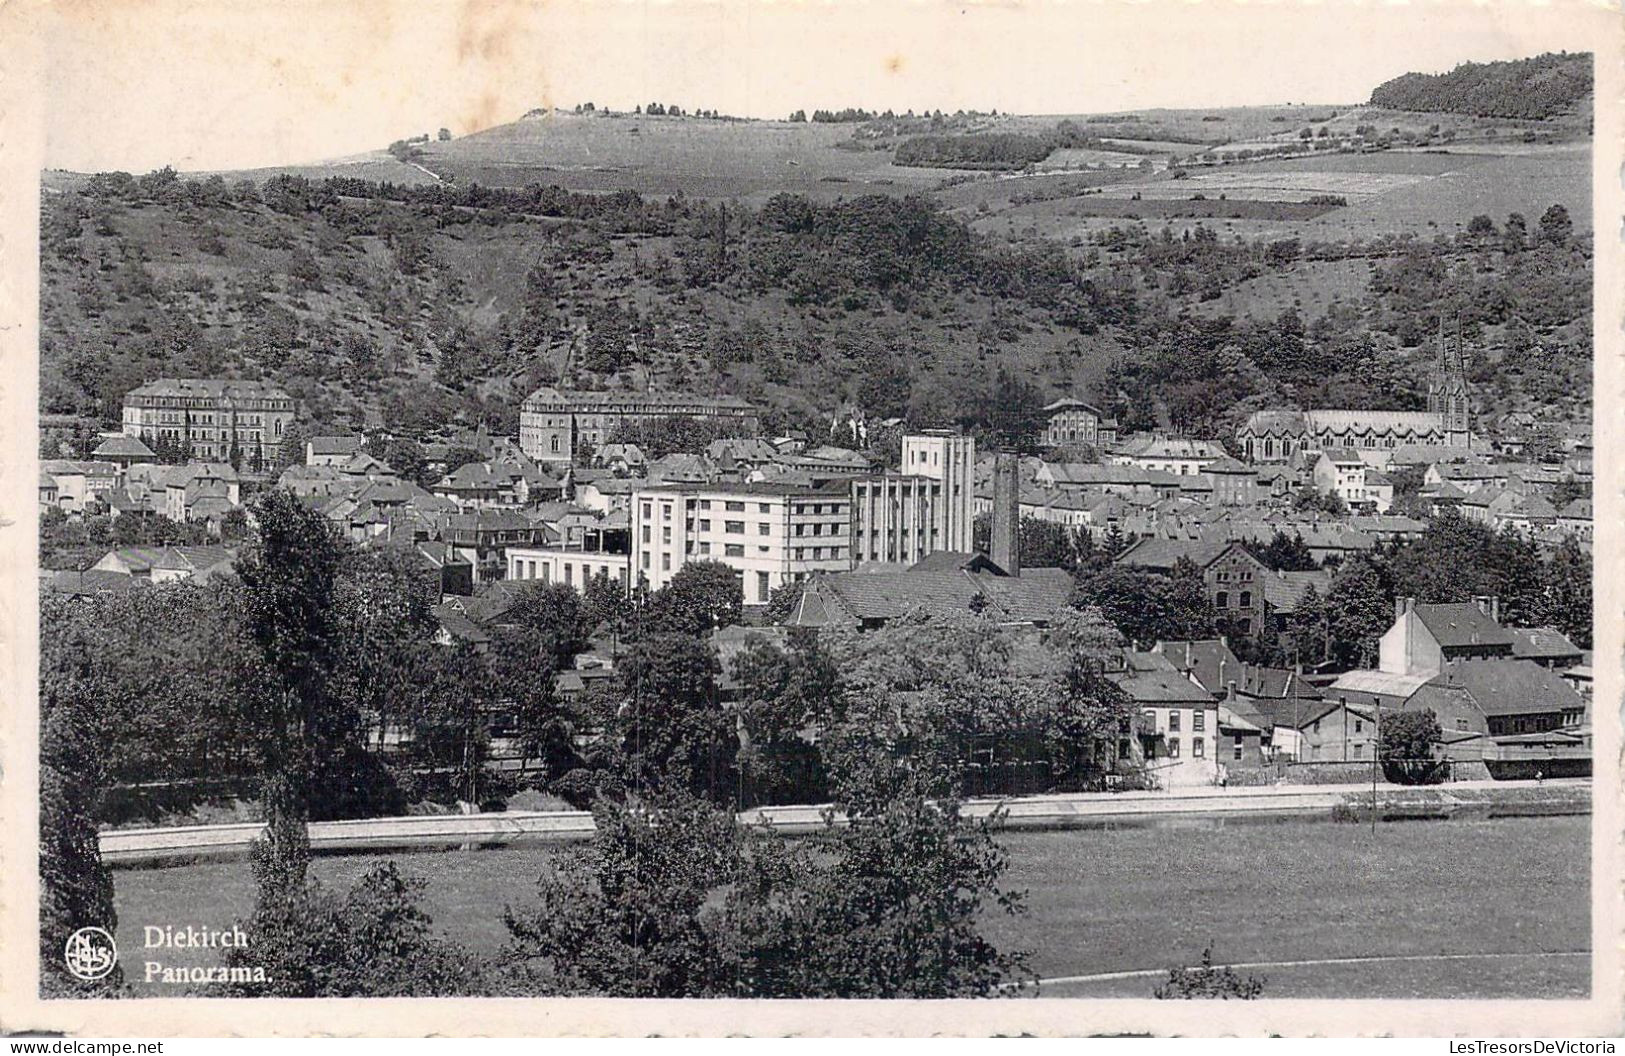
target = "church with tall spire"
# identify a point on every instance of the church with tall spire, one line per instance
(1447, 395)
(1278, 435)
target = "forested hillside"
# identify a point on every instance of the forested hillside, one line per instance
(1541, 88)
(424, 309)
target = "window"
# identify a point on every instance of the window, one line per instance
(705, 524)
(762, 507)
(665, 511)
(735, 507)
(665, 562)
(1238, 749)
(569, 573)
(647, 538)
(705, 504)
(1359, 751)
(734, 550)
(764, 529)
(1358, 726)
(1461, 724)
(1221, 600)
(1173, 744)
(1246, 601)
(705, 548)
(1198, 747)
(761, 586)
(1173, 719)
(734, 527)
(648, 511)
(1199, 719)
(646, 560)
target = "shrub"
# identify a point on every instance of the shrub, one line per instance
(1207, 982)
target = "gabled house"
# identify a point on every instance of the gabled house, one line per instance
(1423, 637)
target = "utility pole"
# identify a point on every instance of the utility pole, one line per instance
(1376, 750)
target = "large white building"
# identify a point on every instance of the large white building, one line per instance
(768, 534)
(217, 420)
(556, 423)
(927, 507)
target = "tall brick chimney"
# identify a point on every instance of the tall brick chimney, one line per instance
(1005, 547)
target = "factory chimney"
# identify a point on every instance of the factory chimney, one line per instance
(1005, 548)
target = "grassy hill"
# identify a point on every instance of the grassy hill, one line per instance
(1181, 266)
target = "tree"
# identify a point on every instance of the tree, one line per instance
(1568, 591)
(1148, 606)
(1013, 413)
(1409, 747)
(672, 729)
(1041, 544)
(782, 693)
(1555, 225)
(1360, 604)
(890, 906)
(1285, 554)
(550, 615)
(701, 597)
(76, 887)
(1515, 233)
(373, 941)
(288, 574)
(626, 917)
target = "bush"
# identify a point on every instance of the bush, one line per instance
(1205, 982)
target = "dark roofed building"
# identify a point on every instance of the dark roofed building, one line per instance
(1517, 696)
(869, 600)
(1546, 646)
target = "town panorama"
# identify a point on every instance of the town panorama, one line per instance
(866, 554)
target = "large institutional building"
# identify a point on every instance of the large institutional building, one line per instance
(1278, 435)
(768, 534)
(926, 507)
(221, 420)
(555, 423)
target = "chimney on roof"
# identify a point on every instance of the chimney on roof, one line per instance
(1223, 663)
(1005, 548)
(1230, 691)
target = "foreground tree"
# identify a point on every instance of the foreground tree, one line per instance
(1409, 748)
(76, 887)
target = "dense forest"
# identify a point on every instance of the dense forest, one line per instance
(435, 308)
(1541, 88)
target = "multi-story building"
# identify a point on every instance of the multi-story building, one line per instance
(1340, 471)
(1180, 457)
(927, 508)
(241, 421)
(768, 534)
(1075, 422)
(555, 423)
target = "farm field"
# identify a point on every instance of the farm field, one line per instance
(664, 155)
(1134, 900)
(1424, 194)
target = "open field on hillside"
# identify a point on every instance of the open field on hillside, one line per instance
(1134, 899)
(1310, 286)
(664, 155)
(1394, 192)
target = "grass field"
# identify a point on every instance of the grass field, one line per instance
(1137, 900)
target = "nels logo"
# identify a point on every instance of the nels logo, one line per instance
(90, 953)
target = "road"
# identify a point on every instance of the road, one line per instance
(1049, 811)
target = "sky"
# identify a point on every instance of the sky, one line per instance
(222, 84)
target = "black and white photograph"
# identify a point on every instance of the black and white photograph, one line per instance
(1058, 506)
